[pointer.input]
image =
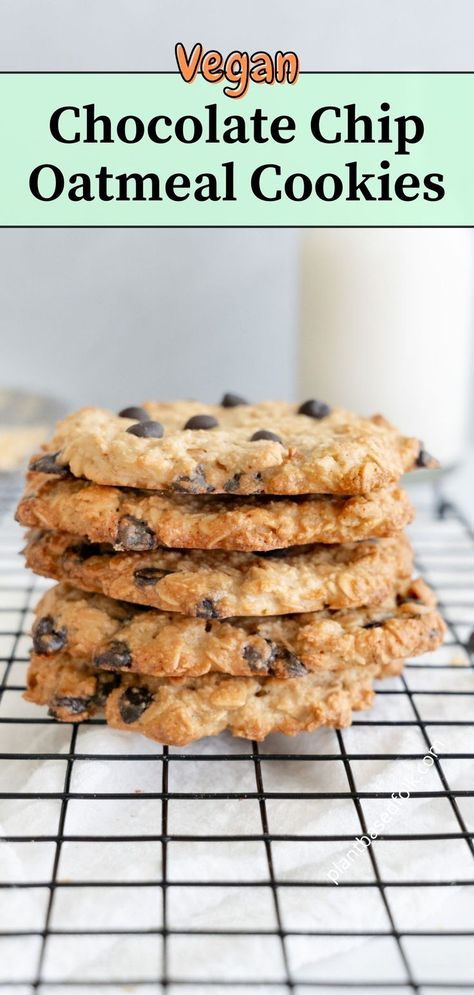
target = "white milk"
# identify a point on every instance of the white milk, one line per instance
(385, 326)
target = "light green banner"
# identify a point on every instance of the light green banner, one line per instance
(302, 158)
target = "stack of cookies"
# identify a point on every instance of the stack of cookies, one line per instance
(240, 566)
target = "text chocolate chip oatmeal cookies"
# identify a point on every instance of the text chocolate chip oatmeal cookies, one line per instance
(235, 566)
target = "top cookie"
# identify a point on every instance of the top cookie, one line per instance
(266, 448)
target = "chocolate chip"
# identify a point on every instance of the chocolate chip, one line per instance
(254, 658)
(47, 639)
(196, 483)
(424, 458)
(207, 609)
(138, 414)
(202, 422)
(314, 409)
(134, 534)
(233, 484)
(294, 667)
(76, 706)
(147, 430)
(116, 657)
(373, 625)
(149, 576)
(233, 401)
(133, 703)
(106, 683)
(264, 434)
(283, 663)
(49, 464)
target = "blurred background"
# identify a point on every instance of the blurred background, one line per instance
(373, 319)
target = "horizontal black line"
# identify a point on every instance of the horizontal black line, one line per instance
(258, 931)
(234, 838)
(172, 758)
(229, 227)
(222, 883)
(417, 723)
(253, 984)
(232, 795)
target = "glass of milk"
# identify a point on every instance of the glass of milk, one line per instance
(385, 326)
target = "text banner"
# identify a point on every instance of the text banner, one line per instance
(119, 149)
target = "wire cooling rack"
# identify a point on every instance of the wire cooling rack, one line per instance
(232, 867)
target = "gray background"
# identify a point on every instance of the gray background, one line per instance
(114, 316)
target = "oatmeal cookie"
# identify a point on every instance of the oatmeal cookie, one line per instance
(133, 520)
(266, 448)
(217, 584)
(118, 636)
(178, 711)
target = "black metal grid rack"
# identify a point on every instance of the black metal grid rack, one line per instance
(127, 867)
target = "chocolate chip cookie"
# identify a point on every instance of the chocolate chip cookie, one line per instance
(178, 711)
(134, 520)
(266, 448)
(118, 636)
(214, 584)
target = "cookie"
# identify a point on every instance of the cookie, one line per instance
(218, 584)
(267, 448)
(118, 636)
(178, 711)
(136, 520)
